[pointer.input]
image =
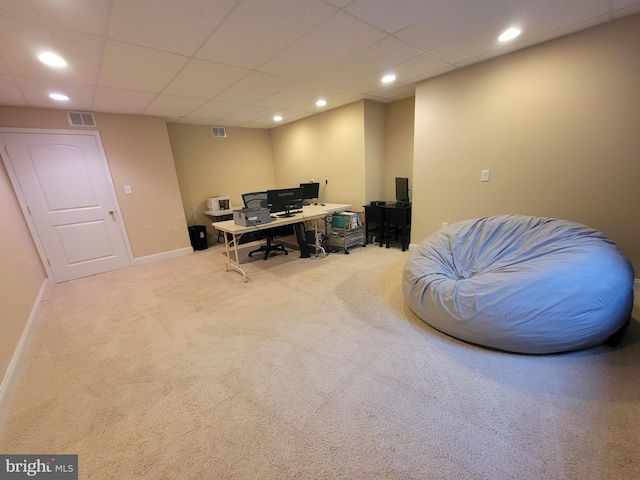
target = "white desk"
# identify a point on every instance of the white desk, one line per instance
(220, 213)
(309, 212)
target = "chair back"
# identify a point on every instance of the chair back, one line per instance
(255, 199)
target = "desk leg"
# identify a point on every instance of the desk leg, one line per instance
(318, 245)
(301, 236)
(234, 264)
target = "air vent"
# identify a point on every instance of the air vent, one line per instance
(81, 119)
(218, 132)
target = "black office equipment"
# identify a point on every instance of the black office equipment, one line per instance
(310, 192)
(287, 200)
(397, 220)
(198, 237)
(374, 215)
(402, 190)
(259, 200)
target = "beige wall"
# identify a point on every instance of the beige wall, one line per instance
(328, 146)
(21, 272)
(399, 146)
(558, 126)
(209, 167)
(139, 154)
(375, 149)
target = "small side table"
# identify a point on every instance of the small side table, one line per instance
(219, 216)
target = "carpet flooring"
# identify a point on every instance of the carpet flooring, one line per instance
(314, 368)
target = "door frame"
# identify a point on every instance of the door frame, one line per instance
(23, 203)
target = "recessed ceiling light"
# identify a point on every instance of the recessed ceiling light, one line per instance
(59, 97)
(509, 34)
(52, 59)
(388, 78)
(277, 118)
(321, 103)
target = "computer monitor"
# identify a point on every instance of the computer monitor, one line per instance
(402, 190)
(284, 200)
(310, 192)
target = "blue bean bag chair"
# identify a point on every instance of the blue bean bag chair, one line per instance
(522, 284)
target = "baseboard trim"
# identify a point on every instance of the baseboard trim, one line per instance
(13, 371)
(156, 257)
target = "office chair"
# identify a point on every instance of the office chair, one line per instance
(259, 199)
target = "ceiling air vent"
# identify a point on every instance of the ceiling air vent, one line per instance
(218, 132)
(81, 119)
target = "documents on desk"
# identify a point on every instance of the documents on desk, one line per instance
(234, 230)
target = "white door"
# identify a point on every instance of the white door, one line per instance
(64, 184)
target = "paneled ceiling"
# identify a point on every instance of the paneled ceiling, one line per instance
(241, 62)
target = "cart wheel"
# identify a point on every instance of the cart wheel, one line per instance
(346, 252)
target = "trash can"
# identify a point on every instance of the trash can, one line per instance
(198, 236)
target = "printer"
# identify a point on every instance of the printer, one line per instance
(247, 217)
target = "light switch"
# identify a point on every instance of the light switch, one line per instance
(484, 175)
(127, 189)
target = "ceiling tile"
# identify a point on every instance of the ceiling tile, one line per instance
(462, 18)
(192, 120)
(256, 30)
(37, 93)
(383, 55)
(421, 66)
(280, 55)
(200, 79)
(88, 17)
(542, 21)
(121, 101)
(21, 42)
(394, 16)
(295, 93)
(395, 91)
(339, 36)
(254, 87)
(249, 114)
(215, 110)
(625, 7)
(3, 66)
(9, 92)
(146, 22)
(304, 96)
(137, 68)
(168, 105)
(339, 3)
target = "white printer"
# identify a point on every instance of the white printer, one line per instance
(247, 217)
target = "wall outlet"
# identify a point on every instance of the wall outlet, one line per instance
(484, 175)
(127, 189)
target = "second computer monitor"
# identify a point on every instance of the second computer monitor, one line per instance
(310, 192)
(284, 200)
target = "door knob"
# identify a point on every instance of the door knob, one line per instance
(112, 212)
